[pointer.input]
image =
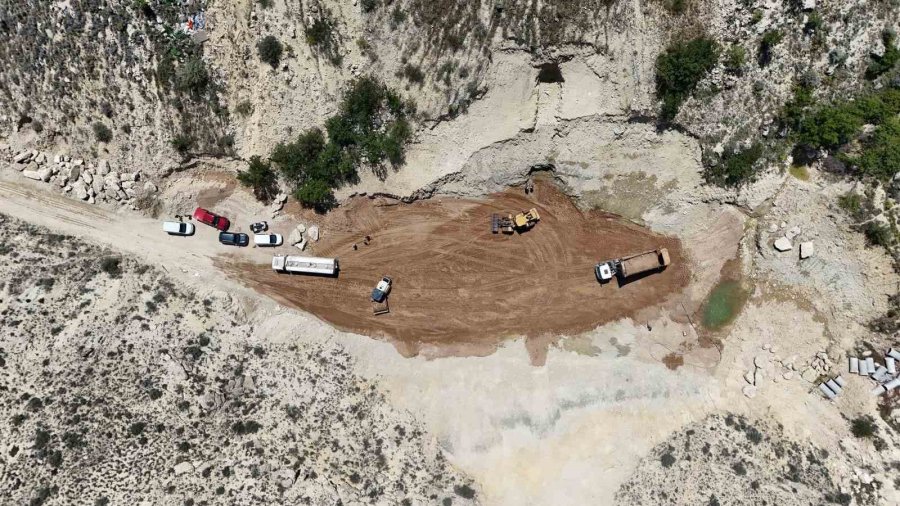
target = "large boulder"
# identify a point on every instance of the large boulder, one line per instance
(22, 157)
(32, 174)
(46, 173)
(80, 190)
(313, 233)
(783, 244)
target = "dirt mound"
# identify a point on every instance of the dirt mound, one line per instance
(455, 282)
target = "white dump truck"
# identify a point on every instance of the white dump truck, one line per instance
(629, 266)
(305, 265)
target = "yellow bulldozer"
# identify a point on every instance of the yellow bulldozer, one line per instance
(509, 223)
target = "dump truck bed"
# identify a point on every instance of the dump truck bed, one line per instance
(381, 307)
(643, 262)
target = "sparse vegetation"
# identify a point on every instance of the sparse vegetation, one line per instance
(323, 37)
(245, 108)
(270, 50)
(182, 143)
(371, 128)
(679, 69)
(192, 76)
(735, 58)
(735, 167)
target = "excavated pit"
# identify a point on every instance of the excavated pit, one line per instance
(462, 289)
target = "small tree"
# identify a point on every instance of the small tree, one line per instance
(102, 132)
(881, 64)
(260, 176)
(270, 50)
(863, 427)
(679, 69)
(315, 193)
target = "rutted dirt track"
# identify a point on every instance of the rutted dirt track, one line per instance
(456, 282)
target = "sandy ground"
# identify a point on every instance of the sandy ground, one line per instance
(456, 282)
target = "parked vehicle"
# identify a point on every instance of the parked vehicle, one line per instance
(654, 260)
(267, 239)
(211, 219)
(234, 239)
(259, 227)
(305, 265)
(382, 289)
(178, 228)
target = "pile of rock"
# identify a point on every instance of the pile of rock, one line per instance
(84, 180)
(301, 235)
(772, 367)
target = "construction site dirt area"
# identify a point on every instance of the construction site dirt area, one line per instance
(456, 282)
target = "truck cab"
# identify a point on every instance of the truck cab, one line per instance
(382, 289)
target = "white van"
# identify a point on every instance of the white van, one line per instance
(178, 228)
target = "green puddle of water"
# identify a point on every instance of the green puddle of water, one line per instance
(723, 304)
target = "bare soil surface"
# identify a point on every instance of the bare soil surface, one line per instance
(456, 282)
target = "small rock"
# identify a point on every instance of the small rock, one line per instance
(149, 187)
(783, 244)
(809, 374)
(793, 232)
(313, 233)
(749, 391)
(773, 228)
(41, 158)
(78, 162)
(301, 245)
(97, 185)
(87, 177)
(809, 5)
(80, 190)
(806, 250)
(103, 167)
(74, 173)
(127, 184)
(22, 157)
(761, 361)
(63, 180)
(788, 375)
(759, 376)
(184, 467)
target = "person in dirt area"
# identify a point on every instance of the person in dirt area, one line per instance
(529, 186)
(354, 247)
(366, 240)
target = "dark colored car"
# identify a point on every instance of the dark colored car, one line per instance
(211, 219)
(234, 239)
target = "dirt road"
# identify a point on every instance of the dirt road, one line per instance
(456, 282)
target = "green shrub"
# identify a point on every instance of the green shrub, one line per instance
(679, 69)
(398, 17)
(850, 202)
(317, 194)
(323, 38)
(182, 143)
(265, 4)
(245, 108)
(885, 62)
(863, 427)
(192, 76)
(248, 427)
(413, 73)
(829, 128)
(260, 176)
(735, 58)
(368, 5)
(770, 39)
(102, 132)
(878, 234)
(735, 168)
(880, 154)
(270, 50)
(111, 266)
(296, 159)
(813, 23)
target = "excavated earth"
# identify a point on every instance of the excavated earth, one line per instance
(457, 283)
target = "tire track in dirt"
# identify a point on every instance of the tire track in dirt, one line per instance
(456, 283)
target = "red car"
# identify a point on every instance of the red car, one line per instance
(211, 219)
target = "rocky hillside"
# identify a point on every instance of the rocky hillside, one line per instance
(119, 387)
